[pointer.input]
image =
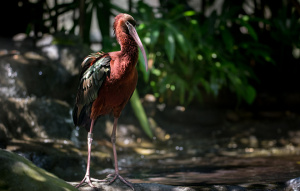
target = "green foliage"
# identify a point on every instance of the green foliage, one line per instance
(193, 51)
(190, 56)
(140, 113)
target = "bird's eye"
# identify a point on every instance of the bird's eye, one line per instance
(130, 23)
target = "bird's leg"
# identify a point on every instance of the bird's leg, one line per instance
(113, 141)
(87, 177)
(87, 174)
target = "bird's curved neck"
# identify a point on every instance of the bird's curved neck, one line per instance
(129, 48)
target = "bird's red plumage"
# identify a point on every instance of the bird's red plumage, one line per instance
(117, 88)
(106, 84)
(120, 84)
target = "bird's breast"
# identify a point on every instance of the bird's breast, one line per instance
(114, 93)
(120, 87)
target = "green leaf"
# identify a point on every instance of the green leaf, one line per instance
(154, 35)
(181, 40)
(228, 39)
(140, 113)
(189, 13)
(250, 94)
(142, 65)
(205, 84)
(245, 18)
(169, 45)
(179, 37)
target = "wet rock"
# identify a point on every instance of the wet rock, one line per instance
(31, 74)
(18, 173)
(8, 84)
(4, 136)
(228, 188)
(59, 156)
(293, 184)
(36, 118)
(119, 186)
(41, 68)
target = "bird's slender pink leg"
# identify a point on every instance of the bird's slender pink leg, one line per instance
(87, 177)
(113, 141)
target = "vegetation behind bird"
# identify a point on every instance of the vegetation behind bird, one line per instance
(241, 47)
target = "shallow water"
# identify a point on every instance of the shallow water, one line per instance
(215, 170)
(263, 156)
(253, 170)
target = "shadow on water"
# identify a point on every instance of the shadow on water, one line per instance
(253, 153)
(206, 156)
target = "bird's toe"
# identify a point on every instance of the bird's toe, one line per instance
(117, 176)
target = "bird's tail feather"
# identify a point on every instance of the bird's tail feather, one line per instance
(84, 119)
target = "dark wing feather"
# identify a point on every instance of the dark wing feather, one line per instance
(94, 70)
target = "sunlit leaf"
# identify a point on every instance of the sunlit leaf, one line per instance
(189, 13)
(141, 26)
(179, 38)
(194, 22)
(169, 45)
(142, 65)
(140, 113)
(245, 18)
(156, 72)
(154, 35)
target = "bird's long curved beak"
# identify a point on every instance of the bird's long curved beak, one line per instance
(136, 37)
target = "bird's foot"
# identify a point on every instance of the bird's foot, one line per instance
(121, 179)
(86, 179)
(89, 180)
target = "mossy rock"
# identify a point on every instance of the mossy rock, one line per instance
(18, 173)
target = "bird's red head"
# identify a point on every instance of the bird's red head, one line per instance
(125, 23)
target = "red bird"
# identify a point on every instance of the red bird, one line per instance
(107, 82)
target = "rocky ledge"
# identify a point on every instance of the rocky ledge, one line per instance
(119, 186)
(18, 173)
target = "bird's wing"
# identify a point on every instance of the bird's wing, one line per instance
(94, 70)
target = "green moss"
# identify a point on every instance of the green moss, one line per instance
(18, 173)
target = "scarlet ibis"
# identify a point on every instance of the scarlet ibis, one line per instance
(107, 81)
